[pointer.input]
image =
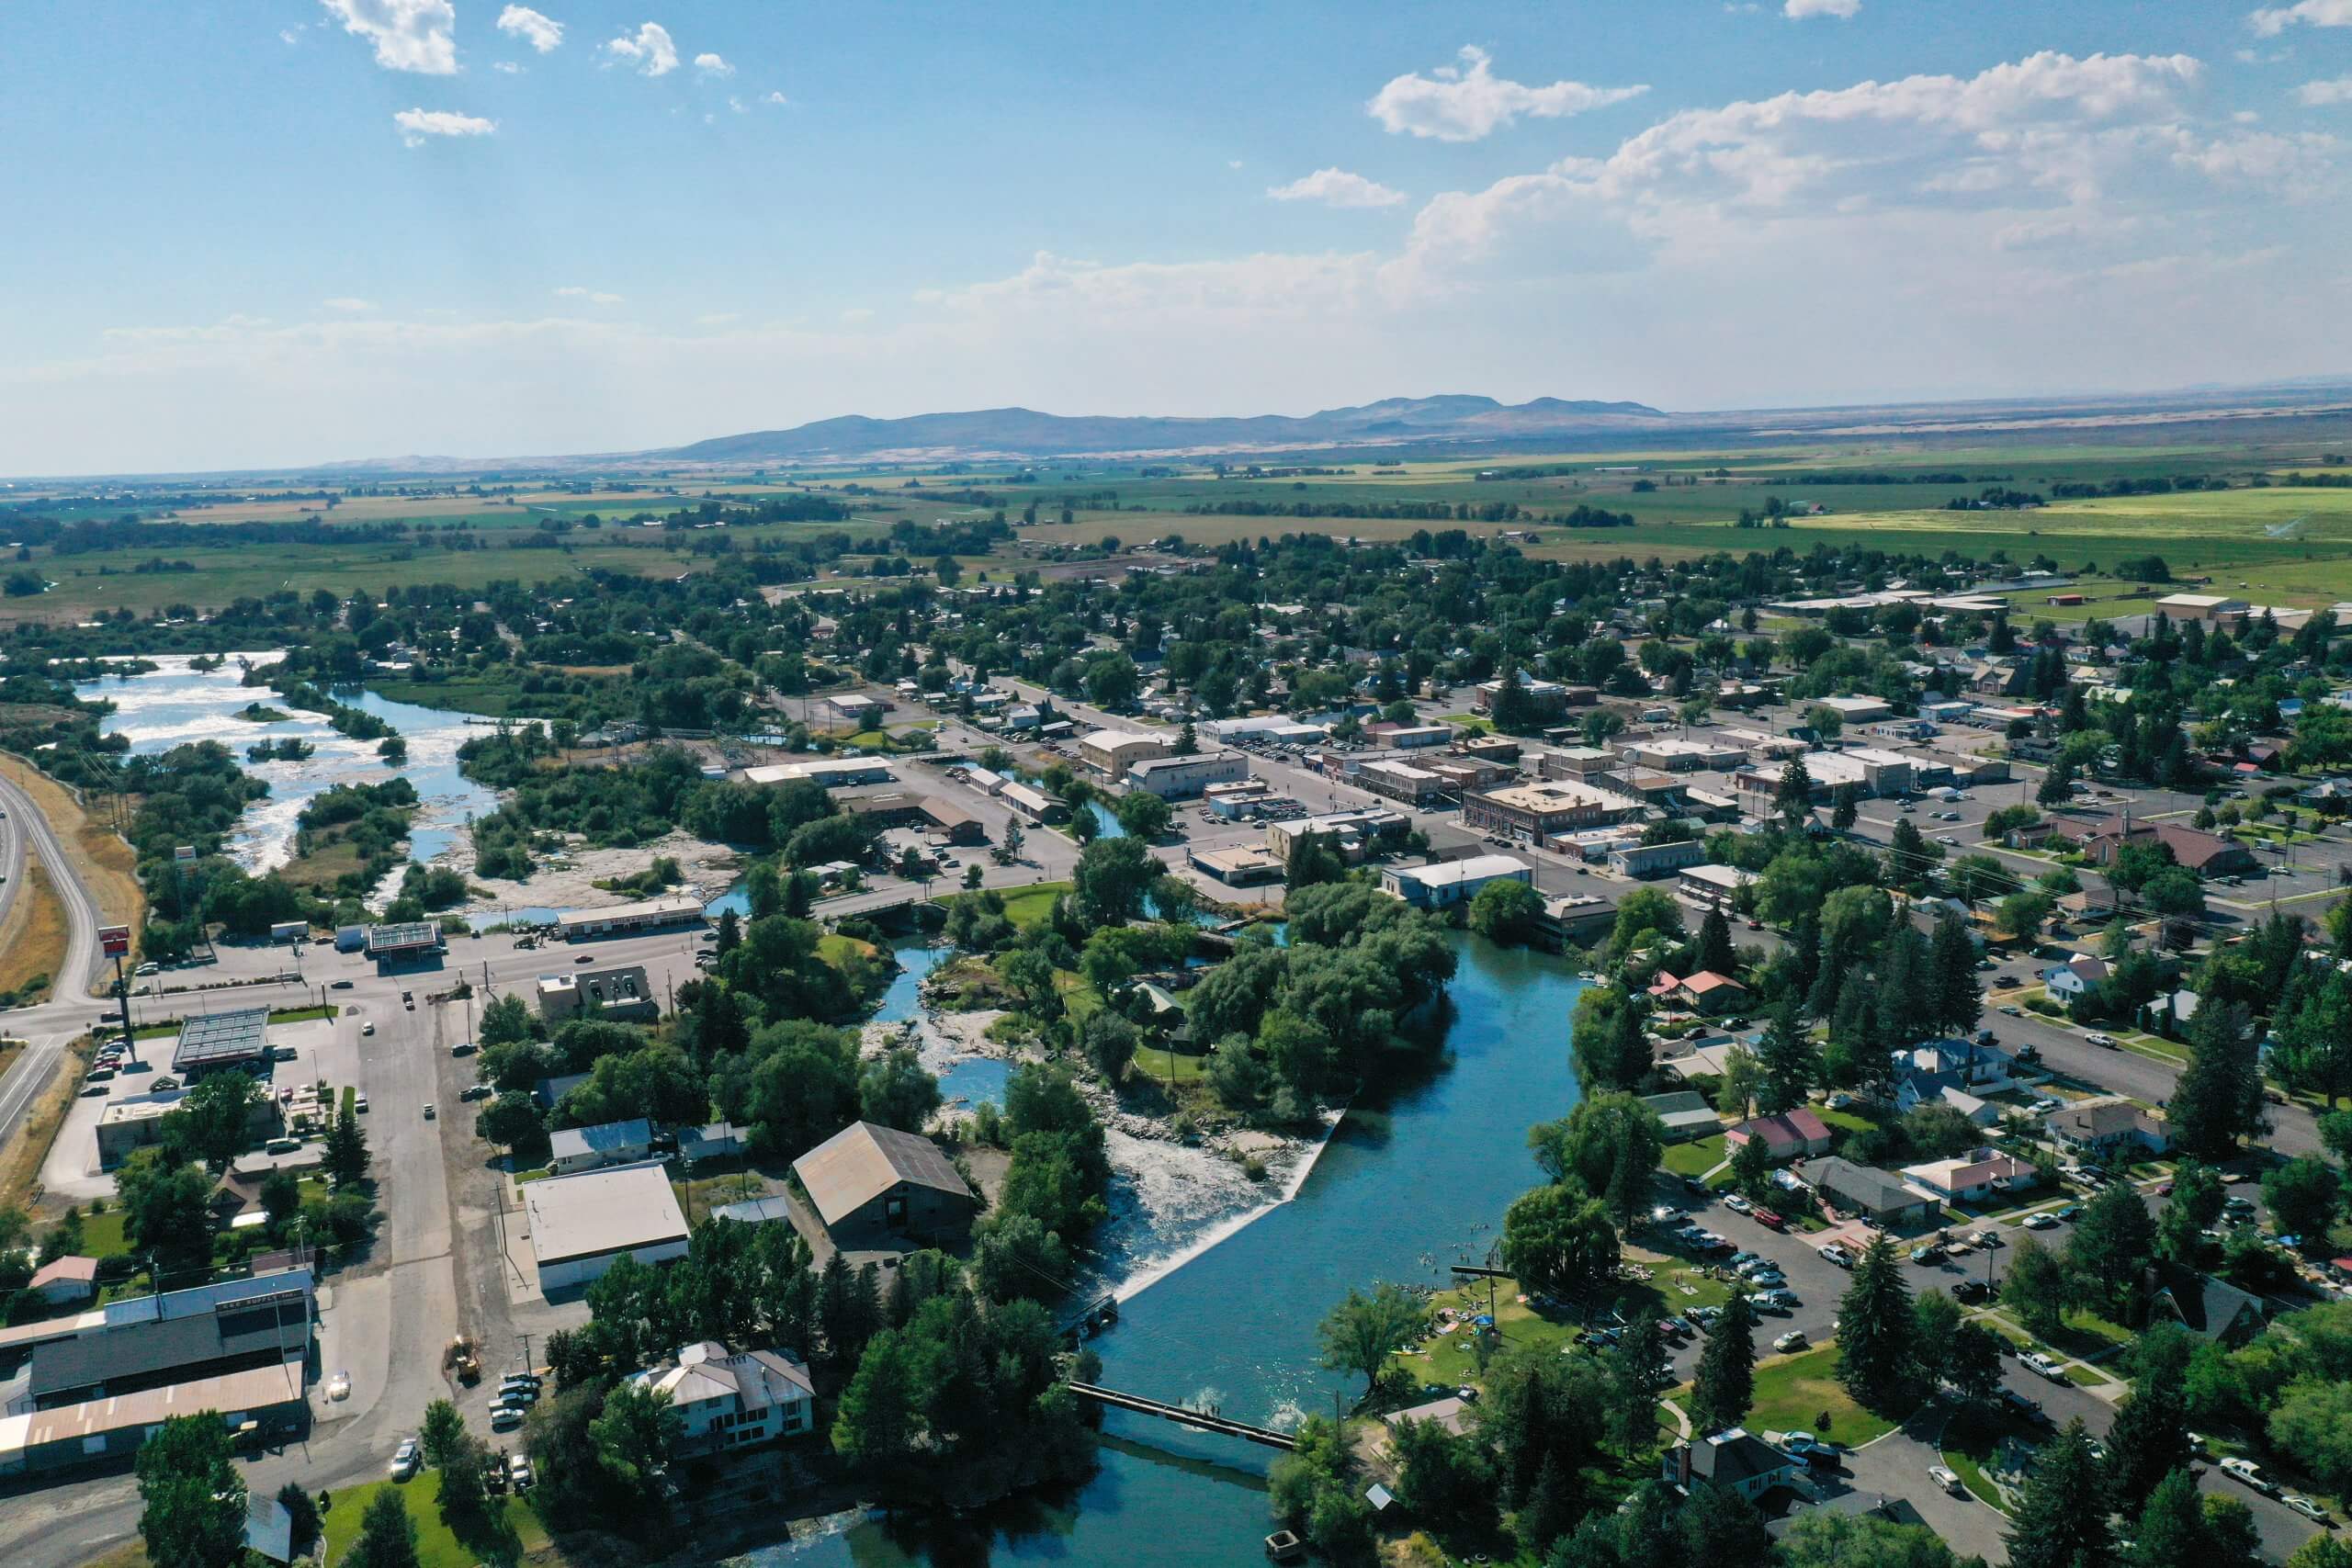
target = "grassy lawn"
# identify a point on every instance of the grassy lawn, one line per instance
(1793, 1392)
(1025, 907)
(1694, 1159)
(1972, 1441)
(102, 1235)
(435, 1547)
(835, 948)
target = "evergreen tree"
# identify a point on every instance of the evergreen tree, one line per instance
(2218, 1099)
(1724, 1385)
(2108, 1254)
(2148, 1441)
(2060, 1521)
(2035, 1287)
(345, 1155)
(1792, 796)
(2057, 784)
(1187, 743)
(1845, 807)
(1959, 999)
(2171, 1528)
(1714, 950)
(1790, 1065)
(1550, 1511)
(387, 1533)
(1639, 1372)
(1876, 1329)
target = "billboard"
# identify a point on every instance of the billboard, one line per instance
(114, 941)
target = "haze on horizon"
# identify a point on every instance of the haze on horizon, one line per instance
(298, 230)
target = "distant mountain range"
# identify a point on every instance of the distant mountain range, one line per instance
(1024, 432)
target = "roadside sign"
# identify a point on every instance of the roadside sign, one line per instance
(114, 941)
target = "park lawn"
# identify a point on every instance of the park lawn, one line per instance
(1448, 1358)
(836, 949)
(1025, 907)
(1793, 1393)
(1164, 1066)
(1694, 1159)
(435, 1546)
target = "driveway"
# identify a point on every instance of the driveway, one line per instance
(1897, 1466)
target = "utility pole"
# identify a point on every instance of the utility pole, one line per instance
(526, 1351)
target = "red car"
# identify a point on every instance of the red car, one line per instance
(1769, 1220)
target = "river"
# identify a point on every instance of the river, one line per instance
(1401, 1191)
(1402, 1188)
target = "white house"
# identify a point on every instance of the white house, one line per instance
(1971, 1178)
(2067, 981)
(733, 1399)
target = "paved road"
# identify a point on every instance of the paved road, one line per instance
(49, 1028)
(12, 863)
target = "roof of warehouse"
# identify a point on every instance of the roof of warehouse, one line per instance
(599, 1211)
(221, 1037)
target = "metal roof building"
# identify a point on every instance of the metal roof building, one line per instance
(409, 939)
(213, 1040)
(579, 1224)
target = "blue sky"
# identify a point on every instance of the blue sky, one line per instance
(277, 231)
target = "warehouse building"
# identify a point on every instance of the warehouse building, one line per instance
(646, 915)
(1112, 753)
(617, 996)
(1173, 778)
(831, 773)
(581, 1224)
(216, 1041)
(1673, 756)
(263, 1402)
(877, 1189)
(1033, 804)
(264, 1330)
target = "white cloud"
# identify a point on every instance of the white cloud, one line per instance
(289, 35)
(1336, 188)
(2337, 90)
(856, 316)
(1798, 10)
(1455, 103)
(541, 31)
(713, 65)
(649, 49)
(416, 125)
(2261, 157)
(348, 305)
(775, 98)
(593, 296)
(2272, 20)
(506, 68)
(409, 34)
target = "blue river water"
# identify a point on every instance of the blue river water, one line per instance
(1402, 1190)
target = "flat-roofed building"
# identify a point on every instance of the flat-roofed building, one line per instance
(1448, 883)
(831, 773)
(134, 1120)
(646, 915)
(1345, 833)
(2201, 606)
(1409, 737)
(1642, 862)
(877, 1188)
(216, 1041)
(1111, 753)
(1240, 866)
(1578, 918)
(1576, 762)
(1871, 771)
(1533, 812)
(1491, 748)
(1173, 778)
(1398, 781)
(1856, 710)
(1545, 699)
(618, 996)
(1672, 755)
(574, 1149)
(581, 1224)
(402, 940)
(1712, 885)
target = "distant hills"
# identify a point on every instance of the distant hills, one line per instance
(1024, 432)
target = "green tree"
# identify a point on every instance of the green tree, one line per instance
(1506, 911)
(2108, 1254)
(1111, 877)
(2171, 1531)
(2147, 1442)
(345, 1155)
(2060, 1521)
(1876, 1361)
(165, 1215)
(1792, 796)
(1822, 1539)
(302, 1515)
(1639, 1372)
(1558, 1240)
(1143, 814)
(2195, 1205)
(1845, 807)
(895, 1091)
(1714, 950)
(1751, 1166)
(1790, 1064)
(1362, 1331)
(440, 1432)
(635, 1434)
(2218, 1098)
(192, 1499)
(2303, 1196)
(1725, 1384)
(212, 1124)
(2035, 1287)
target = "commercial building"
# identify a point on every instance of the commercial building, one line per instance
(1409, 737)
(1533, 812)
(1240, 866)
(134, 1120)
(260, 1328)
(831, 773)
(1676, 756)
(216, 1041)
(728, 1399)
(1544, 699)
(1173, 778)
(1642, 862)
(952, 822)
(1856, 710)
(1872, 773)
(1448, 883)
(877, 1188)
(1112, 753)
(1576, 762)
(646, 915)
(265, 1402)
(406, 942)
(579, 1224)
(1715, 886)
(1578, 918)
(856, 707)
(2200, 607)
(1398, 781)
(2202, 852)
(617, 996)
(1347, 834)
(575, 1149)
(1033, 804)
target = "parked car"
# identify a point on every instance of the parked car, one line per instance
(1792, 1340)
(1947, 1480)
(339, 986)
(1835, 1253)
(2105, 1042)
(404, 1459)
(2040, 1365)
(506, 1417)
(359, 1103)
(428, 1110)
(1769, 1220)
(2024, 1408)
(1735, 1204)
(2069, 1214)
(2247, 1474)
(2308, 1508)
(1970, 1291)
(366, 1029)
(2011, 1009)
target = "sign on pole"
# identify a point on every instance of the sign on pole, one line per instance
(114, 941)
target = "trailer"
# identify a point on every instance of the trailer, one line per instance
(289, 930)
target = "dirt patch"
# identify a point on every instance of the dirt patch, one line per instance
(32, 936)
(20, 1165)
(101, 857)
(708, 869)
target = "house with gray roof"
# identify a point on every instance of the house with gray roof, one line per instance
(877, 1188)
(1873, 1193)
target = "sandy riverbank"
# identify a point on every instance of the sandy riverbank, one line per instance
(570, 883)
(1169, 1201)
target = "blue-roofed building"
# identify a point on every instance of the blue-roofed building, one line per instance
(608, 1143)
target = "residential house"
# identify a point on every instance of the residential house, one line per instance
(2212, 1309)
(608, 1143)
(1705, 992)
(1686, 1115)
(730, 1399)
(1973, 1176)
(720, 1140)
(2099, 1130)
(1792, 1134)
(2069, 981)
(64, 1280)
(1871, 1193)
(1733, 1460)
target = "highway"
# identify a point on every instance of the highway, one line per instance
(71, 1009)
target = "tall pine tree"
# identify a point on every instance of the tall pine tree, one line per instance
(1875, 1330)
(2060, 1521)
(1789, 1064)
(1725, 1384)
